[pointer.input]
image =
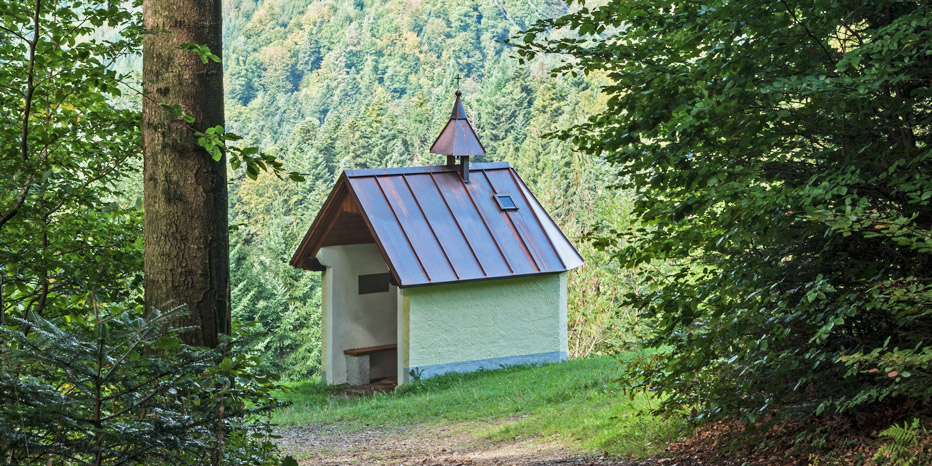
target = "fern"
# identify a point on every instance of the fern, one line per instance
(902, 448)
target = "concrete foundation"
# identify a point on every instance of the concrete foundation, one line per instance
(357, 369)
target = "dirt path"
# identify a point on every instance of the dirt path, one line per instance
(458, 444)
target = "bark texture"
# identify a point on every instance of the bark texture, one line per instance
(187, 259)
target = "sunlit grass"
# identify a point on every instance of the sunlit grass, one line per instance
(576, 401)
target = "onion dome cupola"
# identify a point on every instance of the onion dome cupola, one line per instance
(458, 140)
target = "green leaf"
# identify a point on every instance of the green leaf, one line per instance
(202, 51)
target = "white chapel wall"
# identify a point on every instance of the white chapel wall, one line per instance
(351, 320)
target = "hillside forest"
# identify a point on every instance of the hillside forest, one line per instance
(334, 85)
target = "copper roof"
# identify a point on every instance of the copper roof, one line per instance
(458, 137)
(431, 227)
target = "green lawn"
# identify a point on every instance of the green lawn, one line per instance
(576, 400)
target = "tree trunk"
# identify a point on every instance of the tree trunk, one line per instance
(187, 258)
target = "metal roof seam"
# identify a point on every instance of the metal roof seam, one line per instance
(458, 226)
(432, 231)
(514, 177)
(451, 239)
(378, 241)
(492, 235)
(523, 186)
(395, 214)
(515, 228)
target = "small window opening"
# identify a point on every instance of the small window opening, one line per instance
(505, 202)
(375, 283)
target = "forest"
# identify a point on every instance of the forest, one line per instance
(339, 85)
(748, 184)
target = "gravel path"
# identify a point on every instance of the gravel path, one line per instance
(457, 444)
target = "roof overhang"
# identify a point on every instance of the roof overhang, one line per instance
(432, 228)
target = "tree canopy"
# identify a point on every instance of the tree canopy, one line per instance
(84, 377)
(780, 156)
(67, 145)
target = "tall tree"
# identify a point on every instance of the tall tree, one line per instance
(186, 230)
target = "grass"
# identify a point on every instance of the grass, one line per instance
(576, 401)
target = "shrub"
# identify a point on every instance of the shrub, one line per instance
(121, 389)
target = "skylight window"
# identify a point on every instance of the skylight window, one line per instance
(505, 202)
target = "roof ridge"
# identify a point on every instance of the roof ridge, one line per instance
(353, 173)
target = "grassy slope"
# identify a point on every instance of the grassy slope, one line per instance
(576, 400)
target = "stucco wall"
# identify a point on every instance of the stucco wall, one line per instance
(484, 324)
(351, 320)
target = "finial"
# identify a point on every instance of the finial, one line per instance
(457, 138)
(457, 84)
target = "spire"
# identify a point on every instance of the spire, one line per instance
(459, 113)
(458, 138)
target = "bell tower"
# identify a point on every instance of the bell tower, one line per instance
(458, 140)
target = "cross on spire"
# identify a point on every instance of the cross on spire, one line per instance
(457, 81)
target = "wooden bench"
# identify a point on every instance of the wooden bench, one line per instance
(357, 362)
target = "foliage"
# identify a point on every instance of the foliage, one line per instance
(592, 413)
(79, 385)
(216, 140)
(65, 150)
(284, 300)
(779, 154)
(120, 389)
(70, 224)
(903, 449)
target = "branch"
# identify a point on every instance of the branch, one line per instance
(30, 87)
(2, 308)
(20, 36)
(19, 203)
(30, 90)
(789, 10)
(44, 279)
(99, 176)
